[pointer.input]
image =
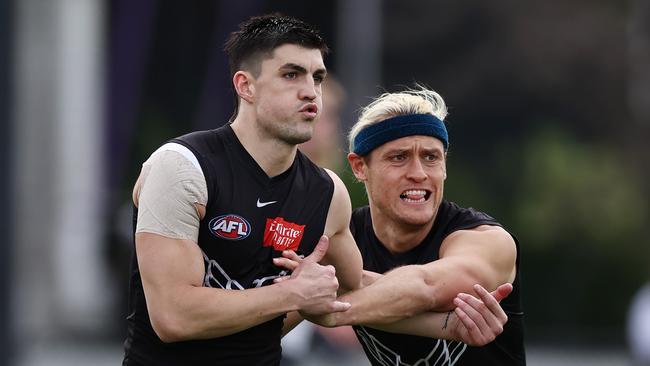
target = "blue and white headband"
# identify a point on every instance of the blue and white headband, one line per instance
(397, 127)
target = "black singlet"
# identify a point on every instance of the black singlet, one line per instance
(250, 218)
(390, 349)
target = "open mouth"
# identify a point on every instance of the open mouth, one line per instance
(415, 195)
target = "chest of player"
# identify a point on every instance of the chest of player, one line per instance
(243, 231)
(251, 217)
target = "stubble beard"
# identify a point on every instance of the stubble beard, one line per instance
(290, 132)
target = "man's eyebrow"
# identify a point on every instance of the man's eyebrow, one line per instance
(294, 67)
(321, 72)
(395, 151)
(431, 150)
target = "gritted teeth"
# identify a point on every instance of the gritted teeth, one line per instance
(414, 192)
(415, 195)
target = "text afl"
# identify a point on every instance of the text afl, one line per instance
(230, 227)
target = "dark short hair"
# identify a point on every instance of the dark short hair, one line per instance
(259, 36)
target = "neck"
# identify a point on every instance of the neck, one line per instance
(272, 155)
(398, 237)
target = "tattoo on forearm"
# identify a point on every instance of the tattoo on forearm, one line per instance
(446, 320)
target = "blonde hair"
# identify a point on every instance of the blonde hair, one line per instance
(410, 101)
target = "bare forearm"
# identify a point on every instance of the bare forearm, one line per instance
(202, 313)
(400, 294)
(428, 324)
(405, 292)
(475, 321)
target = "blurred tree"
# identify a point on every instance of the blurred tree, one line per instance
(581, 213)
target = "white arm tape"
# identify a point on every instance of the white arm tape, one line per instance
(171, 183)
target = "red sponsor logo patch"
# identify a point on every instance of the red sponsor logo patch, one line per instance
(282, 235)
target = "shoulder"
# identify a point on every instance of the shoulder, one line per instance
(206, 145)
(171, 164)
(338, 183)
(485, 241)
(174, 154)
(456, 217)
(469, 227)
(198, 139)
(340, 208)
(469, 218)
(174, 161)
(340, 196)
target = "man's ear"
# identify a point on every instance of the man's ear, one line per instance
(244, 85)
(358, 165)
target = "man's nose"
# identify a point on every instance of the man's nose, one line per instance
(308, 90)
(416, 171)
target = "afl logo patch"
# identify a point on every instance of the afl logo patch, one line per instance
(230, 227)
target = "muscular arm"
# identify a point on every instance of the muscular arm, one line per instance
(180, 307)
(474, 321)
(484, 255)
(343, 252)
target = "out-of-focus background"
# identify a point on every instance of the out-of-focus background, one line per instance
(549, 122)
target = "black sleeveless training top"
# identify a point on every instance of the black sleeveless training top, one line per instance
(383, 348)
(250, 218)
